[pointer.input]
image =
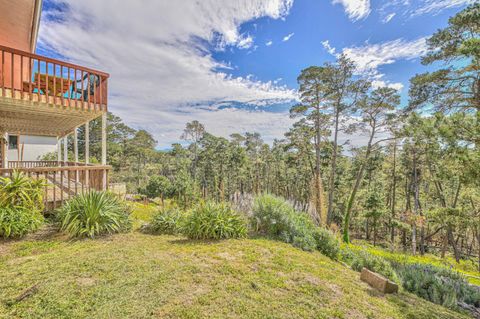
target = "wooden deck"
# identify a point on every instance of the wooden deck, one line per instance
(43, 96)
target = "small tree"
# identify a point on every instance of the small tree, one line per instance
(158, 186)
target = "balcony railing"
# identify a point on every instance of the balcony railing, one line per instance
(63, 180)
(30, 77)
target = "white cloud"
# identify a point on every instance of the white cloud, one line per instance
(287, 37)
(388, 18)
(436, 6)
(328, 47)
(355, 9)
(371, 56)
(269, 43)
(162, 72)
(379, 83)
(245, 42)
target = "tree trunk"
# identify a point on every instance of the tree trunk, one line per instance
(349, 206)
(394, 187)
(331, 184)
(319, 203)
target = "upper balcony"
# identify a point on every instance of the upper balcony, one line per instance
(43, 96)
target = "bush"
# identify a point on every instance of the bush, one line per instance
(21, 191)
(21, 205)
(165, 221)
(214, 221)
(438, 285)
(94, 213)
(18, 221)
(276, 218)
(327, 243)
(357, 259)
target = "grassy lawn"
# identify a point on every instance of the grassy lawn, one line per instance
(143, 276)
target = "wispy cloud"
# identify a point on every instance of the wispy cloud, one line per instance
(415, 8)
(162, 70)
(288, 37)
(269, 43)
(328, 47)
(370, 57)
(389, 17)
(245, 42)
(355, 9)
(437, 6)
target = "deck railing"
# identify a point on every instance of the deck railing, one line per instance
(31, 77)
(62, 182)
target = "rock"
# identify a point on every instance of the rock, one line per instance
(378, 282)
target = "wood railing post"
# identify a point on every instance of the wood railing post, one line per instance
(104, 148)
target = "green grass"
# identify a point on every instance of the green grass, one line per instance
(144, 276)
(466, 267)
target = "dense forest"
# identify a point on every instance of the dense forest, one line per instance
(414, 184)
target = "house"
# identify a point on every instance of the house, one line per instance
(43, 101)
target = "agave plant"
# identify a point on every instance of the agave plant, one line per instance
(94, 213)
(214, 221)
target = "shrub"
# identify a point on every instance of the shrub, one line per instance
(21, 191)
(18, 221)
(214, 221)
(21, 204)
(94, 213)
(357, 259)
(276, 218)
(438, 285)
(327, 243)
(165, 221)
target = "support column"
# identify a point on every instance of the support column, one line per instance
(87, 154)
(87, 143)
(65, 149)
(75, 152)
(3, 150)
(75, 144)
(59, 150)
(104, 148)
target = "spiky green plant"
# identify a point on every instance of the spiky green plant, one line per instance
(165, 221)
(214, 221)
(21, 204)
(94, 213)
(19, 190)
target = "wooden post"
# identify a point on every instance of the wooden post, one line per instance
(75, 152)
(87, 155)
(3, 151)
(65, 149)
(104, 148)
(75, 144)
(59, 150)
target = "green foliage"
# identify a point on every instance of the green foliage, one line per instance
(165, 221)
(21, 204)
(94, 213)
(327, 243)
(357, 259)
(276, 218)
(19, 221)
(438, 285)
(157, 186)
(21, 191)
(211, 220)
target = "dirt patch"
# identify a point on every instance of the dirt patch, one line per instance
(86, 281)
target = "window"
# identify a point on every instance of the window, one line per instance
(12, 142)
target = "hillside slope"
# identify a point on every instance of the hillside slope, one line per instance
(143, 276)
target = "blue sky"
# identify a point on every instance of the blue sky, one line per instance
(233, 64)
